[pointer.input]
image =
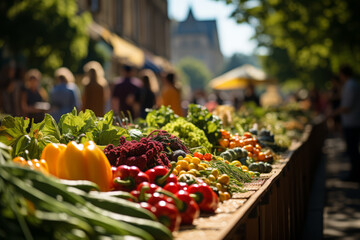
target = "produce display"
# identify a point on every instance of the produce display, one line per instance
(91, 178)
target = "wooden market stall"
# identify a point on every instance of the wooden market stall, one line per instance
(273, 207)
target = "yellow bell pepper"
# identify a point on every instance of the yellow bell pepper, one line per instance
(51, 155)
(85, 162)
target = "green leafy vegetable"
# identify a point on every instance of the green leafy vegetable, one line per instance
(13, 132)
(192, 136)
(206, 121)
(161, 117)
(86, 126)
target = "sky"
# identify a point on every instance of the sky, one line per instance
(233, 37)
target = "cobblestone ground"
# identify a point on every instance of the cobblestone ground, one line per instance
(342, 199)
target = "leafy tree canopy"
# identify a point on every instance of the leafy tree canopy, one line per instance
(315, 36)
(49, 33)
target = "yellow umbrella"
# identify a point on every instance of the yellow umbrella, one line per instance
(239, 78)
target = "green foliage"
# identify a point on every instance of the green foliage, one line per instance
(14, 133)
(206, 121)
(158, 118)
(49, 33)
(86, 126)
(192, 136)
(308, 39)
(196, 72)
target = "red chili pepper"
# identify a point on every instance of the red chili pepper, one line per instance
(172, 187)
(205, 197)
(157, 197)
(190, 210)
(168, 215)
(136, 194)
(172, 178)
(127, 178)
(160, 175)
(151, 187)
(183, 186)
(148, 207)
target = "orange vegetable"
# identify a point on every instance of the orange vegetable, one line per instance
(247, 135)
(85, 162)
(224, 133)
(249, 148)
(232, 144)
(261, 156)
(224, 142)
(34, 164)
(51, 155)
(249, 141)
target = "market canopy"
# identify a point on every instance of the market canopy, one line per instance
(239, 77)
(125, 51)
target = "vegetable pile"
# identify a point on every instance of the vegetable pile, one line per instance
(89, 178)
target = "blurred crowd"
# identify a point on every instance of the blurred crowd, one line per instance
(23, 93)
(130, 94)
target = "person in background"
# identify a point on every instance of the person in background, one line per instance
(126, 95)
(32, 96)
(250, 95)
(72, 85)
(8, 100)
(148, 98)
(350, 119)
(170, 94)
(271, 97)
(63, 97)
(335, 100)
(95, 84)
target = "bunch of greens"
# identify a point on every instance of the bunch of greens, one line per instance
(192, 136)
(14, 132)
(160, 117)
(85, 126)
(206, 121)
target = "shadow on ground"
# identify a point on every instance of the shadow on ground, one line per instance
(342, 199)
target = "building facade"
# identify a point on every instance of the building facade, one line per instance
(197, 39)
(142, 23)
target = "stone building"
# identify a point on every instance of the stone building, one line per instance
(197, 39)
(137, 30)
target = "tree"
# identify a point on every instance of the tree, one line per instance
(317, 36)
(48, 33)
(196, 72)
(239, 59)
